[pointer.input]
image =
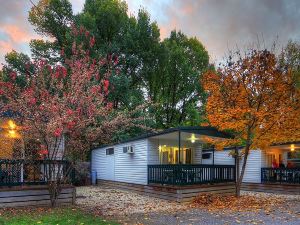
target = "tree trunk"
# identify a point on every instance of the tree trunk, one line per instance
(241, 175)
(237, 167)
(54, 191)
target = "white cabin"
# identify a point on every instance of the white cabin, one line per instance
(163, 154)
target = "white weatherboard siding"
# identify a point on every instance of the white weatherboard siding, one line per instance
(132, 168)
(253, 167)
(223, 158)
(153, 151)
(102, 164)
(122, 167)
(197, 154)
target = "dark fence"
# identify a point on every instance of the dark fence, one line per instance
(190, 174)
(280, 175)
(20, 172)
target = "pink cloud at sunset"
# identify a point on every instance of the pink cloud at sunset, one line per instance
(5, 47)
(18, 34)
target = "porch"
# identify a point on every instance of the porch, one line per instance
(23, 182)
(280, 175)
(33, 172)
(189, 174)
(281, 164)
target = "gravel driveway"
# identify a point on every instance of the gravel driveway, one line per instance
(131, 208)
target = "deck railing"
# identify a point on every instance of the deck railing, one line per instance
(183, 174)
(280, 175)
(28, 172)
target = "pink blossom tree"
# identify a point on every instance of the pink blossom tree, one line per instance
(66, 105)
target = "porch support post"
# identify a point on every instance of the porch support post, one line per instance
(214, 155)
(179, 146)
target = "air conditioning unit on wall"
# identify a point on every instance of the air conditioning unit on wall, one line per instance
(128, 149)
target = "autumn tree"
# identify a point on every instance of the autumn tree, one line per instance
(254, 97)
(66, 106)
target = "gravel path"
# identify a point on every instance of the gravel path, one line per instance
(131, 208)
(114, 202)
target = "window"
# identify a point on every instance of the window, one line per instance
(206, 155)
(188, 156)
(125, 149)
(170, 155)
(110, 151)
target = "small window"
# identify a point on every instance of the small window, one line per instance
(125, 149)
(206, 155)
(110, 151)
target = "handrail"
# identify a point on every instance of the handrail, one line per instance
(280, 175)
(17, 172)
(188, 174)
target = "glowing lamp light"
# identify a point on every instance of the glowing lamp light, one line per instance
(12, 125)
(292, 147)
(193, 138)
(12, 133)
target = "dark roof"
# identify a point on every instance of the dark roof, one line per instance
(242, 147)
(209, 131)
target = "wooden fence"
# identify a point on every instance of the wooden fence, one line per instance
(34, 196)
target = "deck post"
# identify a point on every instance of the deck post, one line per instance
(179, 146)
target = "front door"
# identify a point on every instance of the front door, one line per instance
(110, 165)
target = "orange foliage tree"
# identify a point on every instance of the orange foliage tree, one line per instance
(256, 98)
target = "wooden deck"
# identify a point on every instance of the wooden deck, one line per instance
(172, 193)
(21, 196)
(288, 189)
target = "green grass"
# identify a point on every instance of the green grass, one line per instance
(57, 216)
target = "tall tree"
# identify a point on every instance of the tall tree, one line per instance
(290, 57)
(254, 97)
(176, 88)
(52, 18)
(18, 66)
(165, 73)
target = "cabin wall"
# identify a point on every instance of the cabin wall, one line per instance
(253, 168)
(153, 151)
(101, 164)
(223, 158)
(198, 154)
(122, 167)
(132, 168)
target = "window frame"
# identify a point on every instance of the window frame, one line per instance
(110, 151)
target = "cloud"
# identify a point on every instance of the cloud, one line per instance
(223, 25)
(5, 47)
(219, 25)
(18, 34)
(16, 31)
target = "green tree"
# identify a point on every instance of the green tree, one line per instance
(165, 72)
(17, 65)
(290, 58)
(177, 89)
(52, 18)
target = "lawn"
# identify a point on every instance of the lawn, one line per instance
(42, 216)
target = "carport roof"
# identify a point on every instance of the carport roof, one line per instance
(202, 130)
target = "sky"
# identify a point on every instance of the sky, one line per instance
(219, 24)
